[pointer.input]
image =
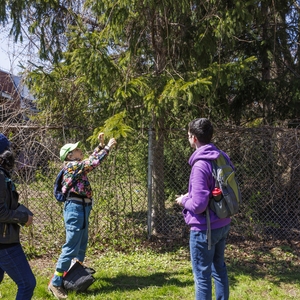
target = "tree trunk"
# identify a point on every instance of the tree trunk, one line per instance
(158, 193)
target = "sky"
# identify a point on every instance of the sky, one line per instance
(7, 50)
(11, 54)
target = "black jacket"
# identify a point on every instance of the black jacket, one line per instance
(9, 217)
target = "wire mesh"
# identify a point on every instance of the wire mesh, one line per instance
(267, 166)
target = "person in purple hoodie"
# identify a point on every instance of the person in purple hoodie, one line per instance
(205, 263)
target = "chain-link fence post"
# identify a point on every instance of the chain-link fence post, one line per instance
(149, 179)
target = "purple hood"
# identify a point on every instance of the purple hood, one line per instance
(201, 184)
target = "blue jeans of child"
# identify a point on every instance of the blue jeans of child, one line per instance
(14, 262)
(76, 218)
(209, 263)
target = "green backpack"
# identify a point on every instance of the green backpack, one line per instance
(226, 203)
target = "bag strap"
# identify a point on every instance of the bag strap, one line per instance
(3, 186)
(6, 183)
(214, 174)
(208, 230)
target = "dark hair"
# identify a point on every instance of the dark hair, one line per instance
(202, 129)
(7, 160)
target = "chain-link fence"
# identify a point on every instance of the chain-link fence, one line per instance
(267, 165)
(130, 206)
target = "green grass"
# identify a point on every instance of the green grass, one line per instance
(254, 273)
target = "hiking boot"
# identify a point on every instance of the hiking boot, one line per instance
(58, 291)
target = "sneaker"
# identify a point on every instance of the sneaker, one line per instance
(58, 291)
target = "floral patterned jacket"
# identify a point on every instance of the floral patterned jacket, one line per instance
(75, 174)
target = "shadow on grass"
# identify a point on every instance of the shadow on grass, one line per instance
(131, 282)
(279, 264)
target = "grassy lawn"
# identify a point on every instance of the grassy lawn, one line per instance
(255, 272)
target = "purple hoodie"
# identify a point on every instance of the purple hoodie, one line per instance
(201, 184)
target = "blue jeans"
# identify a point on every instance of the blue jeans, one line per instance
(209, 263)
(76, 217)
(14, 262)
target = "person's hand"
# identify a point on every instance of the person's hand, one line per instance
(101, 139)
(179, 199)
(112, 142)
(29, 221)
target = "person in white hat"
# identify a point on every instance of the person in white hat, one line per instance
(12, 257)
(77, 207)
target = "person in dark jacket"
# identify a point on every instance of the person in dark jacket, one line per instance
(205, 263)
(12, 257)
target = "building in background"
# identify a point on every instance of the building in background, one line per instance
(16, 102)
(16, 106)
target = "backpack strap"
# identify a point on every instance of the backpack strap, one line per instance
(208, 230)
(214, 174)
(6, 184)
(3, 187)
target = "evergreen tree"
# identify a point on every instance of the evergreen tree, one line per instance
(163, 63)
